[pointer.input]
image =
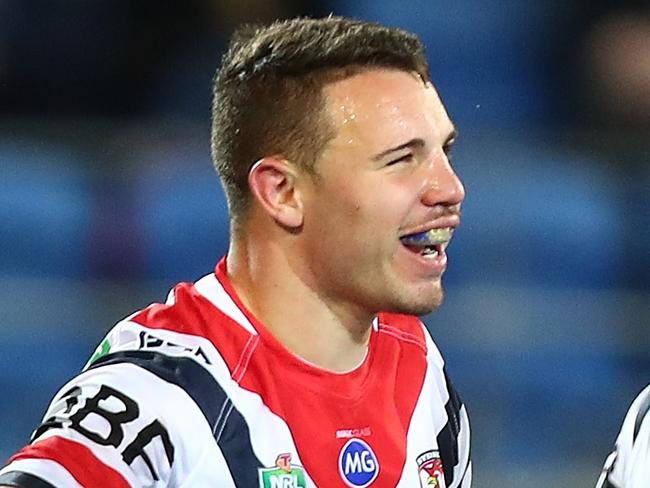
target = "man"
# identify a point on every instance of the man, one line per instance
(629, 465)
(300, 361)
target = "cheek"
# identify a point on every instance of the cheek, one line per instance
(344, 201)
(380, 209)
(397, 198)
(358, 207)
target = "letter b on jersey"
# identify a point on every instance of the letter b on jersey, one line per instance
(358, 464)
(125, 411)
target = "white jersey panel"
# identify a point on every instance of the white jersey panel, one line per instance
(629, 465)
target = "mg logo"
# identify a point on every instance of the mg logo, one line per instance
(358, 465)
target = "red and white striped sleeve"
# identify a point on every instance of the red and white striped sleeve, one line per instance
(116, 425)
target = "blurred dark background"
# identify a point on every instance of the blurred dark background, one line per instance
(108, 198)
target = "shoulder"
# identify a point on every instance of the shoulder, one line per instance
(198, 321)
(639, 411)
(146, 405)
(629, 465)
(192, 344)
(635, 431)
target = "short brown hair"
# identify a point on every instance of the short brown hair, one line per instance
(268, 95)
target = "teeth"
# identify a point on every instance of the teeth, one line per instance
(432, 237)
(429, 252)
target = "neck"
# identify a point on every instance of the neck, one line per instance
(327, 333)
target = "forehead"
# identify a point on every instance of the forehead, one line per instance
(382, 107)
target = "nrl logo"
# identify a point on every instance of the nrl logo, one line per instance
(283, 475)
(430, 470)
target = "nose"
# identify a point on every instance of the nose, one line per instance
(441, 185)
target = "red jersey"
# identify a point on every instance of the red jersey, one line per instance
(197, 392)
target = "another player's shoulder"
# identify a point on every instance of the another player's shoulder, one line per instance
(639, 411)
(636, 424)
(629, 465)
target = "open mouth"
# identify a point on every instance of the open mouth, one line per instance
(429, 244)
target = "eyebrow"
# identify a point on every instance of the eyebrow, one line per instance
(415, 143)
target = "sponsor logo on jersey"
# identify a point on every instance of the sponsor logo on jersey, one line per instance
(430, 470)
(358, 464)
(102, 350)
(150, 341)
(283, 475)
(347, 433)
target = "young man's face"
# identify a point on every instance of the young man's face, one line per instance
(385, 175)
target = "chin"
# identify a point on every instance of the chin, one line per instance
(420, 304)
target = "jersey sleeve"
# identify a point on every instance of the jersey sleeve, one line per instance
(116, 425)
(629, 465)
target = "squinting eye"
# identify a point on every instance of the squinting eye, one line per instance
(407, 158)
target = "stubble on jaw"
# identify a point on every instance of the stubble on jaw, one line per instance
(418, 308)
(415, 300)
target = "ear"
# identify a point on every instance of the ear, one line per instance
(272, 181)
